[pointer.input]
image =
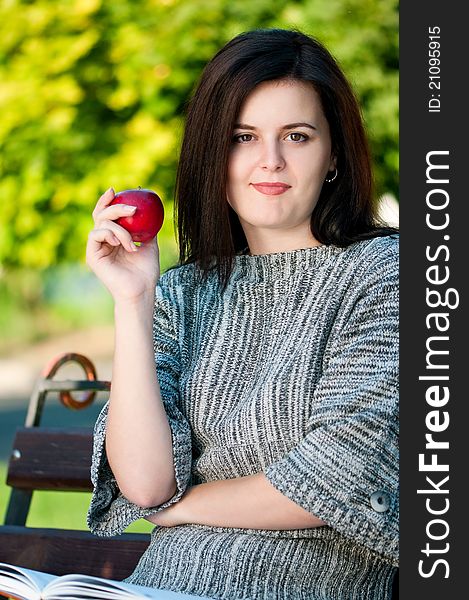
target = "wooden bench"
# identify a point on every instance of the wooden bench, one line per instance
(59, 459)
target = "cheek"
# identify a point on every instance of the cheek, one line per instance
(236, 173)
(232, 165)
(232, 182)
(316, 167)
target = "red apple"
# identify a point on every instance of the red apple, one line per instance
(147, 220)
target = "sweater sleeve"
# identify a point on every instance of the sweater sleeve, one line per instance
(345, 470)
(110, 512)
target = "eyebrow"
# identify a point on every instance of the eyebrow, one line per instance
(289, 126)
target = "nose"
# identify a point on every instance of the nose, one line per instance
(271, 157)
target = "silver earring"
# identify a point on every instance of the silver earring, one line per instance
(332, 178)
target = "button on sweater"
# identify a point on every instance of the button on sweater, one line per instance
(291, 371)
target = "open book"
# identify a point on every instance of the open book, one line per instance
(25, 584)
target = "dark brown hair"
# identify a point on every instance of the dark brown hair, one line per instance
(209, 231)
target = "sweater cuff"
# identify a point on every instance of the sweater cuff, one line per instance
(362, 508)
(110, 513)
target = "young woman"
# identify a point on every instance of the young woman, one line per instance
(263, 446)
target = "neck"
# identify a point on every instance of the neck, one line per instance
(270, 241)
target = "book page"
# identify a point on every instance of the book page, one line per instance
(72, 587)
(26, 584)
(22, 583)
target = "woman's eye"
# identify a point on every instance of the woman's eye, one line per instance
(299, 137)
(238, 138)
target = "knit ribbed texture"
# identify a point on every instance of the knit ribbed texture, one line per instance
(292, 371)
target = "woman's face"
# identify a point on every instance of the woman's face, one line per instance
(281, 136)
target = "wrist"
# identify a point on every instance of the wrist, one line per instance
(143, 303)
(132, 316)
(184, 507)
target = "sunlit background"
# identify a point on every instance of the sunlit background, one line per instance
(92, 94)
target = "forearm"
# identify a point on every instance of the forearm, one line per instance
(138, 436)
(245, 502)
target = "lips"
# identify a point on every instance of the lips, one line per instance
(271, 189)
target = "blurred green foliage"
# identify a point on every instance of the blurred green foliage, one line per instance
(92, 95)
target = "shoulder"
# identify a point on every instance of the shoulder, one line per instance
(379, 249)
(376, 256)
(182, 286)
(372, 291)
(372, 266)
(172, 292)
(176, 278)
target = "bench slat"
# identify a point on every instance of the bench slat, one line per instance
(60, 551)
(51, 459)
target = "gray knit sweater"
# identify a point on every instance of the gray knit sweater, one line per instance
(292, 371)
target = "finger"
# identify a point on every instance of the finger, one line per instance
(97, 237)
(103, 201)
(113, 212)
(121, 234)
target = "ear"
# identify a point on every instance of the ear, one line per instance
(333, 163)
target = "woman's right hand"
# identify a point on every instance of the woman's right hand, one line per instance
(128, 271)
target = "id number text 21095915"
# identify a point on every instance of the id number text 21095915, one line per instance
(434, 70)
